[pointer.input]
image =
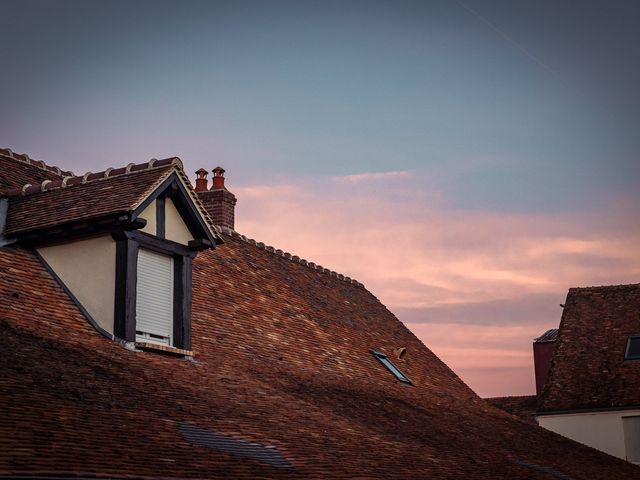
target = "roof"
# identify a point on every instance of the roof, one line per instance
(81, 201)
(17, 170)
(282, 384)
(548, 336)
(588, 370)
(523, 407)
(73, 199)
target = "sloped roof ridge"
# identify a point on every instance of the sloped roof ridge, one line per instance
(294, 258)
(72, 179)
(596, 288)
(24, 158)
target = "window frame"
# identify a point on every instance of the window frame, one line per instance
(128, 244)
(628, 347)
(390, 366)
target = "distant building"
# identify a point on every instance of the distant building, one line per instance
(588, 372)
(592, 390)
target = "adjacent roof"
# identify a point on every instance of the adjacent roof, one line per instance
(588, 370)
(17, 170)
(282, 385)
(523, 407)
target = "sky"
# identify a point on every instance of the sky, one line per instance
(468, 161)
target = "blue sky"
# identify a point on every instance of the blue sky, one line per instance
(545, 92)
(527, 109)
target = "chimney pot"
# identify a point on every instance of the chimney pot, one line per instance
(218, 178)
(201, 180)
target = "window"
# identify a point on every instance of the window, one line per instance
(631, 426)
(153, 290)
(633, 348)
(382, 358)
(154, 298)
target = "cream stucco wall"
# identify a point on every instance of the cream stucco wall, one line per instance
(88, 269)
(149, 214)
(175, 228)
(601, 430)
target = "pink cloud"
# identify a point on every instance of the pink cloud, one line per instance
(371, 177)
(475, 286)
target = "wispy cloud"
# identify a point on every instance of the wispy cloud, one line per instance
(476, 286)
(371, 177)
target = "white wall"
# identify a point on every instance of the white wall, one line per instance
(149, 214)
(174, 228)
(88, 269)
(601, 430)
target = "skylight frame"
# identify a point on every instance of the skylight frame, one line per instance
(627, 356)
(391, 367)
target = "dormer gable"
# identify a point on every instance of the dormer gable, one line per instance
(172, 212)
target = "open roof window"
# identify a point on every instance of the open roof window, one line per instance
(382, 358)
(633, 348)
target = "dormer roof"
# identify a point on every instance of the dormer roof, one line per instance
(113, 195)
(17, 170)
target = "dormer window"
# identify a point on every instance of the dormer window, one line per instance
(153, 273)
(153, 290)
(154, 298)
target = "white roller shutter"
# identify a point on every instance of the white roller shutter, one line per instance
(154, 298)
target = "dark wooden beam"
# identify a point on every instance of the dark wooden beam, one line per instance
(160, 217)
(125, 296)
(182, 303)
(160, 245)
(78, 230)
(199, 244)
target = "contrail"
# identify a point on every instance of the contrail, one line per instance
(506, 37)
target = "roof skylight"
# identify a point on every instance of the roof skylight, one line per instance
(633, 348)
(382, 358)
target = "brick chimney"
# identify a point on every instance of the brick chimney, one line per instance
(219, 202)
(543, 348)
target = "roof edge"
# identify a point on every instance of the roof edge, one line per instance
(568, 411)
(71, 180)
(24, 158)
(597, 288)
(293, 258)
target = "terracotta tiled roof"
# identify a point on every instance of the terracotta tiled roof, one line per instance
(293, 258)
(282, 385)
(523, 406)
(588, 370)
(17, 170)
(78, 198)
